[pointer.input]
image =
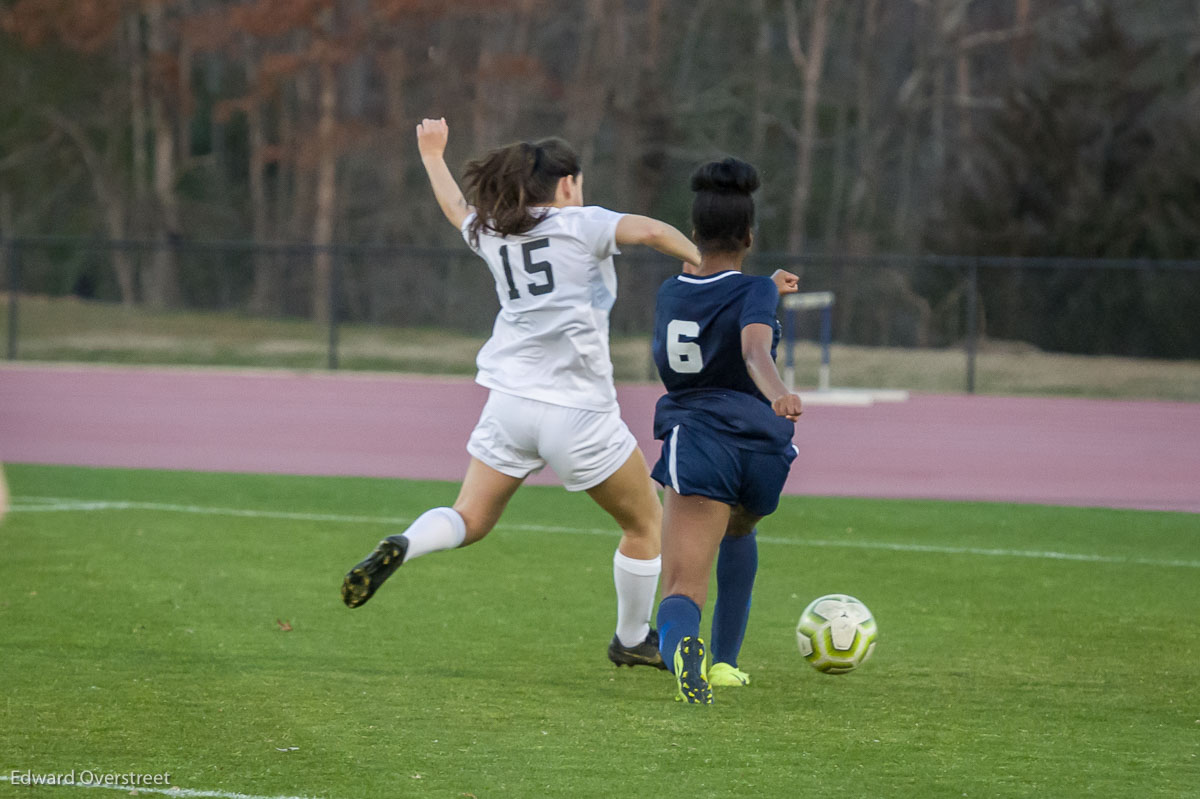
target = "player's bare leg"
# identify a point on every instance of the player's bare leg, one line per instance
(482, 498)
(693, 527)
(628, 496)
(484, 495)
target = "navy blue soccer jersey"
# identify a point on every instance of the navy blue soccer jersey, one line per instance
(698, 325)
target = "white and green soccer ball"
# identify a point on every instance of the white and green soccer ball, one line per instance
(836, 633)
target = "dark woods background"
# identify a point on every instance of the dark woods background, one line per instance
(1058, 128)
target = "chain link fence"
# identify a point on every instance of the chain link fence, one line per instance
(300, 306)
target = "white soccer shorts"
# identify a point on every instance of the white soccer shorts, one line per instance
(519, 436)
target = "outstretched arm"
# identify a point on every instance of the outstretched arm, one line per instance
(634, 229)
(756, 350)
(431, 141)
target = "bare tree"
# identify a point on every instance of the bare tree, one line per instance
(134, 53)
(843, 102)
(587, 94)
(106, 182)
(265, 295)
(809, 60)
(760, 81)
(868, 139)
(162, 286)
(326, 196)
(910, 102)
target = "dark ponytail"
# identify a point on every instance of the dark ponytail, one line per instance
(723, 210)
(504, 183)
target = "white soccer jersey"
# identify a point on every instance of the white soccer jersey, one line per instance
(556, 285)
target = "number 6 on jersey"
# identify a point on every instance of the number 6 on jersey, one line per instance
(684, 356)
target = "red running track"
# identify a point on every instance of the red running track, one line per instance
(1046, 451)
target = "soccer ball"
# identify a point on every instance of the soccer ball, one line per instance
(836, 633)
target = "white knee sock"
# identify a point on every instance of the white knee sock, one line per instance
(637, 582)
(433, 531)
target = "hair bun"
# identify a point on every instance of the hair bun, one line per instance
(729, 176)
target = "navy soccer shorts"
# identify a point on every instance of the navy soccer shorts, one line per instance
(698, 462)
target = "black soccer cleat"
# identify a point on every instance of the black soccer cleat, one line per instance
(361, 582)
(644, 654)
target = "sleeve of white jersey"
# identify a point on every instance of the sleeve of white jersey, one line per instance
(598, 228)
(466, 230)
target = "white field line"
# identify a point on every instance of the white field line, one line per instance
(59, 504)
(173, 791)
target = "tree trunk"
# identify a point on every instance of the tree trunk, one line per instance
(697, 18)
(326, 194)
(137, 119)
(810, 62)
(908, 154)
(859, 236)
(299, 186)
(481, 106)
(864, 195)
(162, 290)
(911, 113)
(938, 35)
(963, 92)
(837, 188)
(264, 298)
(8, 230)
(111, 200)
(514, 96)
(587, 92)
(1021, 43)
(184, 100)
(654, 121)
(841, 144)
(760, 78)
(394, 68)
(626, 149)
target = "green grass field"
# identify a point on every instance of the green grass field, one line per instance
(148, 637)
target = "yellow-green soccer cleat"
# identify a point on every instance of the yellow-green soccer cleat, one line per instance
(724, 675)
(361, 582)
(690, 674)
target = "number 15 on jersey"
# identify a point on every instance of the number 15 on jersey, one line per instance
(531, 267)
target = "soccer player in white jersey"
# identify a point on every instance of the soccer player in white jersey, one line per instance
(547, 364)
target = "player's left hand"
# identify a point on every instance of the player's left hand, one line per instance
(786, 282)
(431, 137)
(788, 406)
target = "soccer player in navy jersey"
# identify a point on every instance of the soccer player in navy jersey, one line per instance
(726, 424)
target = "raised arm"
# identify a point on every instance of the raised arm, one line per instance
(431, 141)
(756, 350)
(634, 229)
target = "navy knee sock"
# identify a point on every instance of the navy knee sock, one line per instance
(737, 564)
(678, 616)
